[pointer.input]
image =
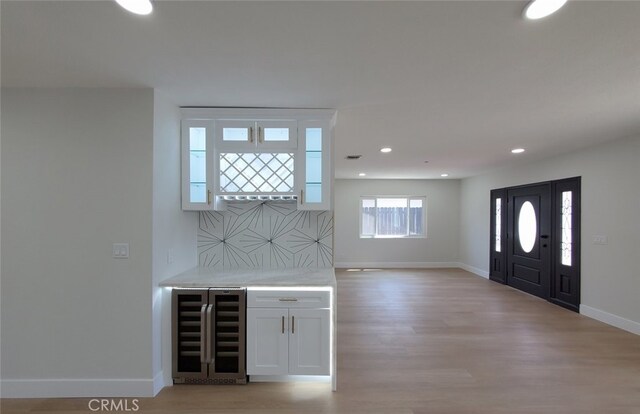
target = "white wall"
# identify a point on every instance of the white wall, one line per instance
(76, 177)
(610, 206)
(174, 230)
(440, 248)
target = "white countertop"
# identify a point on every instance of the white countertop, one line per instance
(208, 277)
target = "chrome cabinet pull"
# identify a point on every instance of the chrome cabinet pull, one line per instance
(203, 329)
(209, 197)
(288, 299)
(293, 324)
(283, 324)
(210, 328)
(251, 135)
(301, 196)
(260, 135)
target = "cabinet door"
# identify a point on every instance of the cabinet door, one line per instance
(197, 165)
(314, 165)
(188, 326)
(309, 342)
(235, 135)
(267, 341)
(277, 134)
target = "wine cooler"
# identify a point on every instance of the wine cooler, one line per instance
(208, 331)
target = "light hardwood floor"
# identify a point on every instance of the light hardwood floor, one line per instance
(435, 341)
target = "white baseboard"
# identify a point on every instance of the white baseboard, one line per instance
(158, 383)
(610, 319)
(73, 388)
(395, 265)
(474, 270)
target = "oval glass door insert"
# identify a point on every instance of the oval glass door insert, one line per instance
(527, 226)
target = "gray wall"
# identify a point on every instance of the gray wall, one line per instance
(440, 248)
(610, 205)
(174, 230)
(77, 176)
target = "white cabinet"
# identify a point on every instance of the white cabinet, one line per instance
(288, 333)
(268, 350)
(197, 165)
(314, 165)
(256, 154)
(309, 342)
(256, 135)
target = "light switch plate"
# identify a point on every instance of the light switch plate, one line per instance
(600, 239)
(120, 250)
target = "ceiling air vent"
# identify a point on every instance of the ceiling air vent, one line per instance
(353, 157)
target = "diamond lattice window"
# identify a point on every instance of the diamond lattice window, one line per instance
(256, 173)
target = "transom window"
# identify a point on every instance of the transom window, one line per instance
(393, 217)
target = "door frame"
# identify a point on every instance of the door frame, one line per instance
(564, 282)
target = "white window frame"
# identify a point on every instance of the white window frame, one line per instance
(407, 236)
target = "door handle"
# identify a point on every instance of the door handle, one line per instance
(544, 236)
(203, 330)
(210, 328)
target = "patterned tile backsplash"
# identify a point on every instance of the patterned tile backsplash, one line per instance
(265, 234)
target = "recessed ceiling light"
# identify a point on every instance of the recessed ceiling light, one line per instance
(537, 9)
(385, 149)
(517, 150)
(141, 7)
(362, 174)
(444, 175)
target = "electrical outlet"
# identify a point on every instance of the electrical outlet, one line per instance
(120, 251)
(600, 239)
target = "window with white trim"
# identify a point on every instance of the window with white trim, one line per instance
(393, 217)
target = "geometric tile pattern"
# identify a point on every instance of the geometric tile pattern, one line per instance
(265, 234)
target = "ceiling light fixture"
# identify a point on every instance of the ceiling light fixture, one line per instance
(517, 150)
(141, 7)
(537, 9)
(385, 150)
(362, 174)
(444, 175)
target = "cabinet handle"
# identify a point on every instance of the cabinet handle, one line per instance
(260, 135)
(210, 328)
(203, 329)
(209, 197)
(288, 299)
(251, 135)
(283, 324)
(301, 196)
(293, 324)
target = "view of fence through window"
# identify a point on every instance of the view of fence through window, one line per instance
(392, 217)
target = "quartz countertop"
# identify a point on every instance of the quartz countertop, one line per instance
(208, 277)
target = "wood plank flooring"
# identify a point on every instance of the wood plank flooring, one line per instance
(434, 341)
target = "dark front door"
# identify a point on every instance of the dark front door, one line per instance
(528, 230)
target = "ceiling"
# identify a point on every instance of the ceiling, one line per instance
(454, 83)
